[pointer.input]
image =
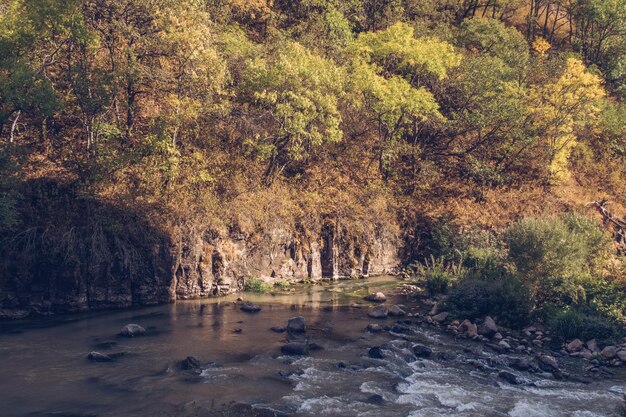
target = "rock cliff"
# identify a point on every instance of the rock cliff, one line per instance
(82, 254)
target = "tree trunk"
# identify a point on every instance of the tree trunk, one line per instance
(14, 126)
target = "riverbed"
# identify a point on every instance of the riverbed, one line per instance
(45, 370)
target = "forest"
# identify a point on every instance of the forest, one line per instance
(479, 130)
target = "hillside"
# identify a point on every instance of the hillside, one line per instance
(160, 150)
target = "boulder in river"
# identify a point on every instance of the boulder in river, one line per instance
(295, 348)
(278, 329)
(548, 363)
(296, 325)
(250, 307)
(396, 311)
(376, 297)
(378, 312)
(189, 363)
(374, 328)
(132, 330)
(375, 352)
(510, 377)
(421, 351)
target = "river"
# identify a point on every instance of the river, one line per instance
(45, 372)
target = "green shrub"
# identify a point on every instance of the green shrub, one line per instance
(506, 299)
(572, 324)
(282, 284)
(437, 274)
(256, 285)
(555, 256)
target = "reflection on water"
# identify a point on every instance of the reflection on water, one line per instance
(45, 370)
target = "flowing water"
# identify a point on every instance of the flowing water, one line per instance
(44, 370)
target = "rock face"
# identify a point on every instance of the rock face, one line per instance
(117, 259)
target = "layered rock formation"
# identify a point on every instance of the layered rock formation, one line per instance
(83, 254)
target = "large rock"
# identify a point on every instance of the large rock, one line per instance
(468, 329)
(374, 328)
(295, 348)
(396, 311)
(189, 363)
(609, 352)
(622, 355)
(441, 317)
(421, 351)
(377, 297)
(132, 330)
(296, 325)
(376, 353)
(574, 346)
(548, 363)
(378, 312)
(592, 345)
(510, 377)
(250, 307)
(488, 328)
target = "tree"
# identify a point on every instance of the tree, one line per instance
(295, 94)
(563, 108)
(388, 70)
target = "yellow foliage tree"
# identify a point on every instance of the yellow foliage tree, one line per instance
(563, 109)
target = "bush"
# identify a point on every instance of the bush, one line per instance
(572, 324)
(256, 285)
(556, 256)
(506, 299)
(436, 274)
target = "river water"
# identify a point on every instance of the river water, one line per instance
(44, 370)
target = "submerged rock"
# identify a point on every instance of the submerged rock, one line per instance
(250, 307)
(378, 312)
(421, 351)
(374, 328)
(296, 325)
(295, 348)
(278, 329)
(510, 377)
(396, 311)
(133, 330)
(375, 352)
(189, 363)
(377, 297)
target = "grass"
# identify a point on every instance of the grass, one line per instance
(257, 285)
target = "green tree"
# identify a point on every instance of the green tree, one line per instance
(296, 95)
(388, 70)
